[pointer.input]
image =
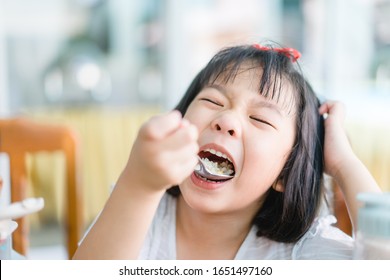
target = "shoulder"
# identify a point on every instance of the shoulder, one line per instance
(262, 248)
(324, 241)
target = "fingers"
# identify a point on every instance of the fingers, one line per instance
(166, 147)
(161, 126)
(171, 128)
(324, 108)
(179, 151)
(178, 165)
(332, 108)
(185, 135)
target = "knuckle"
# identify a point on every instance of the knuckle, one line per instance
(147, 129)
(194, 148)
(190, 134)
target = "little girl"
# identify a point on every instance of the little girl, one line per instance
(250, 110)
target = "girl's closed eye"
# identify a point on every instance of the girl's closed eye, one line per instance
(261, 120)
(212, 101)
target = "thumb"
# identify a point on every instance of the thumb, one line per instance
(161, 126)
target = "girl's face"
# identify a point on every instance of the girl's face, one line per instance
(256, 133)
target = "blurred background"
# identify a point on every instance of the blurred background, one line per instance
(104, 67)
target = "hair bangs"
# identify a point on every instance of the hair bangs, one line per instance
(275, 71)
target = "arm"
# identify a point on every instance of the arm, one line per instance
(341, 162)
(163, 155)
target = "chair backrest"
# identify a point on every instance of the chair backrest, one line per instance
(19, 137)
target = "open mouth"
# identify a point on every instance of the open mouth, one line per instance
(217, 163)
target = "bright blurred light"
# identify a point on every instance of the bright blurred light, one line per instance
(88, 76)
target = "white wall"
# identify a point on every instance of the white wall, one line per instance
(29, 19)
(4, 105)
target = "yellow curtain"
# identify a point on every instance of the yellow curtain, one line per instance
(370, 141)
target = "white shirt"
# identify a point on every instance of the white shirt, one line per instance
(322, 241)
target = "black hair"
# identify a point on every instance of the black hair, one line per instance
(283, 216)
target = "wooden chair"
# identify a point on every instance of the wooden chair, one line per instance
(20, 136)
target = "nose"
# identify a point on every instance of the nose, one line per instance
(227, 123)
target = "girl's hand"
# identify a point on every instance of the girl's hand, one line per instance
(340, 161)
(337, 149)
(164, 153)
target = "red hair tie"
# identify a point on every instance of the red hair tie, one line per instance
(291, 53)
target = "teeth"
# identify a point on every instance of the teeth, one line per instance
(218, 153)
(225, 168)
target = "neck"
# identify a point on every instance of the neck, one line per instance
(209, 236)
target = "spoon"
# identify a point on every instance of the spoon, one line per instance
(201, 169)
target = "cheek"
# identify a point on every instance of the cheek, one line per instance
(197, 117)
(266, 158)
(193, 120)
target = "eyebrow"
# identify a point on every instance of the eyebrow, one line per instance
(273, 107)
(261, 103)
(217, 87)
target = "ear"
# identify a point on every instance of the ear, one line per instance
(278, 186)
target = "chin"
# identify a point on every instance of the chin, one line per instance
(203, 200)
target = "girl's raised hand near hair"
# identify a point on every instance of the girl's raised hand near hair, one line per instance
(341, 162)
(164, 153)
(337, 149)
